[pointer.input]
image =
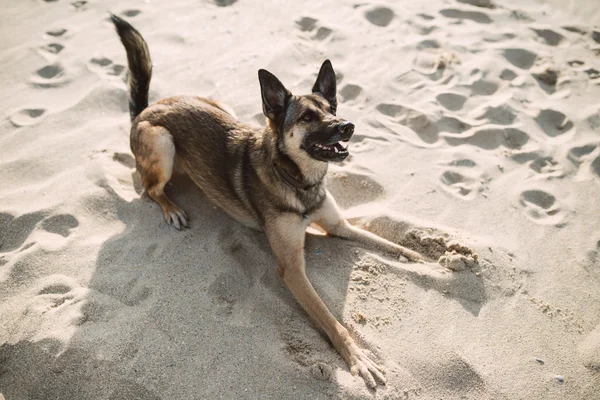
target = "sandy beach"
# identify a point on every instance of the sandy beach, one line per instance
(477, 123)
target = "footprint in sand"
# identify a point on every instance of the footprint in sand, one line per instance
(105, 66)
(575, 63)
(429, 44)
(547, 166)
(131, 13)
(452, 125)
(52, 48)
(592, 73)
(553, 123)
(575, 29)
(415, 120)
(124, 159)
(353, 188)
(308, 24)
(426, 17)
(323, 33)
(28, 116)
(61, 224)
(464, 184)
(462, 178)
(350, 92)
(479, 3)
(79, 5)
(434, 63)
(541, 207)
(15, 231)
(58, 32)
(508, 75)
(502, 114)
(484, 87)
(520, 16)
(520, 58)
(451, 101)
(546, 76)
(55, 291)
(380, 16)
(135, 292)
(52, 75)
(58, 288)
(475, 16)
(428, 129)
(491, 138)
(225, 3)
(578, 154)
(549, 36)
(496, 37)
(596, 166)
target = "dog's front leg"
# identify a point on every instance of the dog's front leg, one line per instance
(286, 235)
(329, 217)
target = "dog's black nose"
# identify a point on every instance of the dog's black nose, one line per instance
(346, 128)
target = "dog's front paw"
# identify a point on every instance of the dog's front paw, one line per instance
(360, 363)
(413, 256)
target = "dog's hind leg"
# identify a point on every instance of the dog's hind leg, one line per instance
(155, 155)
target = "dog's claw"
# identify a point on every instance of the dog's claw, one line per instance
(175, 222)
(182, 217)
(413, 256)
(176, 218)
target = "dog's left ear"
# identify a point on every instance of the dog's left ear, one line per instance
(326, 86)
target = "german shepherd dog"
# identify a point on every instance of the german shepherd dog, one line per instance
(271, 179)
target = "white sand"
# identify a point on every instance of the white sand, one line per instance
(480, 125)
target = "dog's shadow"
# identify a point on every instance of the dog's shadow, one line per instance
(200, 310)
(222, 272)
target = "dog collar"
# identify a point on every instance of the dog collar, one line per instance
(291, 175)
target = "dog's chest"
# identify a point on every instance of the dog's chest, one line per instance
(305, 201)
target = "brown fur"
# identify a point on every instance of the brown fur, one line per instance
(269, 179)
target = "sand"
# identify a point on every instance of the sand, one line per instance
(477, 127)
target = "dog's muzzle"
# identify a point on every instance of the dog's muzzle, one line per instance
(346, 130)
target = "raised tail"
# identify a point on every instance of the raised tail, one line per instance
(139, 63)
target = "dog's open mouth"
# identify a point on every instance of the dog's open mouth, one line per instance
(330, 152)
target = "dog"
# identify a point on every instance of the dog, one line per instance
(271, 179)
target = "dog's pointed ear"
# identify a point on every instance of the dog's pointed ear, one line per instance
(326, 86)
(274, 96)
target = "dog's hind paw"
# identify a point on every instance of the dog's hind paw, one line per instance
(176, 217)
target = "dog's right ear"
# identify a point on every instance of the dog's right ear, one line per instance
(274, 96)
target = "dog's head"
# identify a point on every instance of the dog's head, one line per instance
(306, 126)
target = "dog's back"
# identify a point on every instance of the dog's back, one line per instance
(208, 142)
(213, 148)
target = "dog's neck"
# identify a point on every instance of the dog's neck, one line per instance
(293, 172)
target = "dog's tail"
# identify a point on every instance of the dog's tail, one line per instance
(140, 65)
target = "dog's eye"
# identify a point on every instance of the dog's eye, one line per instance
(307, 117)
